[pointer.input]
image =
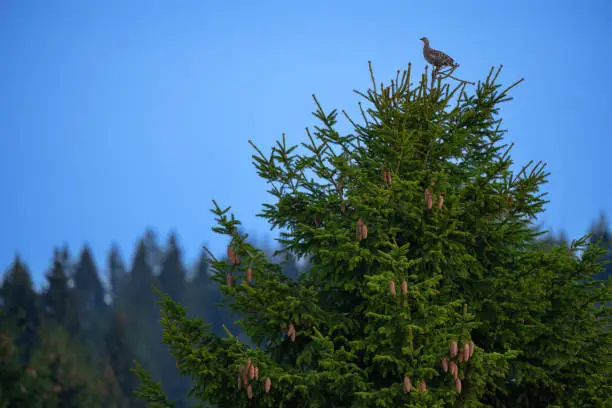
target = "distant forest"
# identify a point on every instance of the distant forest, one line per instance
(75, 340)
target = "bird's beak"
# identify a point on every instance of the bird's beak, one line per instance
(422, 38)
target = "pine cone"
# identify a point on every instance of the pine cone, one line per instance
(362, 230)
(407, 384)
(458, 385)
(251, 372)
(453, 349)
(440, 201)
(445, 364)
(471, 348)
(268, 384)
(392, 288)
(423, 386)
(256, 373)
(249, 391)
(387, 177)
(404, 288)
(428, 199)
(249, 275)
(230, 280)
(454, 370)
(232, 256)
(466, 351)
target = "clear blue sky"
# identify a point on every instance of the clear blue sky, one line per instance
(116, 116)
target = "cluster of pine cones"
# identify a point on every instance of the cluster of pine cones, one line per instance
(247, 374)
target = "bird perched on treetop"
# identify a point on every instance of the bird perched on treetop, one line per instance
(436, 58)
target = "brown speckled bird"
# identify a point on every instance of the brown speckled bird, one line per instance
(436, 58)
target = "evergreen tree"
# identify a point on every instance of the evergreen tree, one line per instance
(172, 282)
(172, 274)
(421, 194)
(59, 299)
(379, 310)
(118, 276)
(62, 362)
(203, 294)
(21, 307)
(121, 357)
(92, 307)
(19, 385)
(142, 313)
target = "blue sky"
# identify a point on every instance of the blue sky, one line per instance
(118, 116)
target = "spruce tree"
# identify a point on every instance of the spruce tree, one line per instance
(118, 276)
(426, 285)
(141, 312)
(21, 306)
(172, 282)
(92, 307)
(58, 298)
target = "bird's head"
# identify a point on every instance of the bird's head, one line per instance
(425, 40)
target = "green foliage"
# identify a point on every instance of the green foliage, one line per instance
(421, 193)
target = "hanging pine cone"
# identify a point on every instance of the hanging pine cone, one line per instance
(466, 352)
(392, 288)
(407, 384)
(454, 370)
(423, 386)
(249, 275)
(387, 177)
(256, 373)
(249, 391)
(251, 372)
(445, 364)
(453, 349)
(230, 280)
(316, 220)
(458, 385)
(404, 288)
(460, 356)
(232, 256)
(362, 230)
(471, 348)
(268, 384)
(428, 199)
(440, 201)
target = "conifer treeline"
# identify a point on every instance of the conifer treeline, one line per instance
(73, 343)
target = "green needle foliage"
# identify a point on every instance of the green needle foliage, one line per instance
(427, 285)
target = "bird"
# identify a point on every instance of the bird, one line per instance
(436, 58)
